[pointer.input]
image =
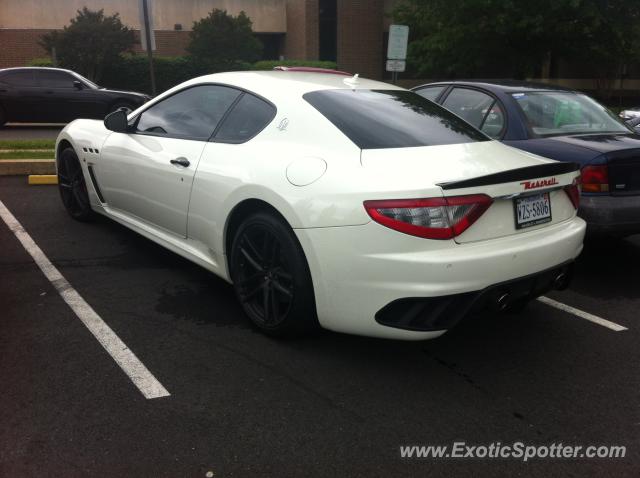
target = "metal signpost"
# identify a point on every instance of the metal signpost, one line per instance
(397, 50)
(147, 37)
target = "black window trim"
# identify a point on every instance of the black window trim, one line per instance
(497, 100)
(133, 122)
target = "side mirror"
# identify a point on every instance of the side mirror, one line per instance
(116, 121)
(78, 85)
(634, 123)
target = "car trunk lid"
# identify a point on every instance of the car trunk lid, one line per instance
(511, 177)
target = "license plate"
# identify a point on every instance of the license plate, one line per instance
(532, 210)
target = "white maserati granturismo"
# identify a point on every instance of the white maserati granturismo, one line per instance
(330, 201)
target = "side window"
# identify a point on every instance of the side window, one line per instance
(471, 105)
(494, 122)
(23, 78)
(431, 92)
(193, 113)
(54, 79)
(247, 118)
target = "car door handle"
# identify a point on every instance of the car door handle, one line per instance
(184, 162)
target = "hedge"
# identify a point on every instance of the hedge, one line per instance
(132, 72)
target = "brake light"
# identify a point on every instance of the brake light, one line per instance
(595, 179)
(431, 218)
(573, 191)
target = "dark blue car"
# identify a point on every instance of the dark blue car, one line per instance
(564, 125)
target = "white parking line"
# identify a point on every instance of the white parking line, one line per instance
(582, 314)
(148, 385)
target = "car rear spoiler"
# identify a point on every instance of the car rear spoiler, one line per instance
(512, 175)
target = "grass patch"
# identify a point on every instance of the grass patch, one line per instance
(27, 155)
(27, 144)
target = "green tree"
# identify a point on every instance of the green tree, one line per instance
(513, 38)
(611, 39)
(91, 43)
(223, 41)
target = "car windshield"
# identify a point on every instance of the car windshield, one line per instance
(375, 119)
(555, 113)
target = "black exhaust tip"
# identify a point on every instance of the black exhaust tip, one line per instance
(561, 281)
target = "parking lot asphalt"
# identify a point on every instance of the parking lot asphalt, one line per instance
(15, 131)
(242, 404)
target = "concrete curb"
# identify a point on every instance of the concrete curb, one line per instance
(24, 167)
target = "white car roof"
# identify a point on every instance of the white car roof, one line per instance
(272, 84)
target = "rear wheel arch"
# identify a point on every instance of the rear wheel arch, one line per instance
(240, 212)
(285, 270)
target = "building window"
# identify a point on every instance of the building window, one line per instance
(272, 45)
(328, 26)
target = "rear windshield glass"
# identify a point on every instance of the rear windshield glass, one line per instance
(376, 119)
(556, 113)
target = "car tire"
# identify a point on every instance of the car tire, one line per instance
(3, 117)
(72, 186)
(271, 277)
(122, 104)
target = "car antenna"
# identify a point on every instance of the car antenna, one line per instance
(353, 81)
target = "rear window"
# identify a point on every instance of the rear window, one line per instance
(556, 113)
(377, 119)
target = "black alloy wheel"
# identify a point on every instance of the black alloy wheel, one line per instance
(271, 277)
(73, 189)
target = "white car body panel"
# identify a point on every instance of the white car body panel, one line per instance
(318, 179)
(138, 179)
(385, 266)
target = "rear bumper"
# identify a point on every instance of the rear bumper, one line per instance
(358, 270)
(618, 215)
(437, 313)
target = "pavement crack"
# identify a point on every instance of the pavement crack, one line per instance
(467, 378)
(454, 368)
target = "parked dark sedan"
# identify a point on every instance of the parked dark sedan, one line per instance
(54, 95)
(564, 125)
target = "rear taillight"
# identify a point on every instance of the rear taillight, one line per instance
(595, 179)
(432, 218)
(573, 191)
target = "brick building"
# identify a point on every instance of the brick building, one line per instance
(350, 32)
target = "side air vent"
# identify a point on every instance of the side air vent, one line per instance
(95, 183)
